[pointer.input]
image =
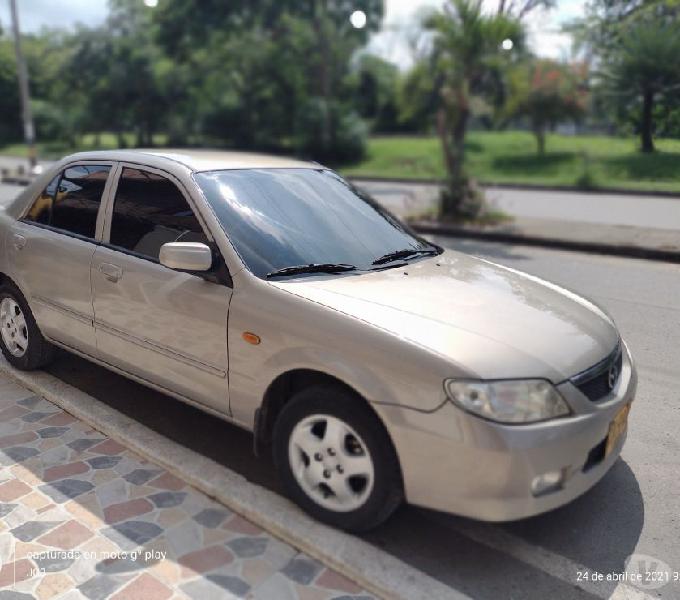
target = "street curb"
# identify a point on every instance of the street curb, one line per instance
(506, 237)
(534, 187)
(376, 571)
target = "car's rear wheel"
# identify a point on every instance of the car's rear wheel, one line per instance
(336, 460)
(21, 342)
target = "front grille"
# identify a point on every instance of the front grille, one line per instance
(595, 383)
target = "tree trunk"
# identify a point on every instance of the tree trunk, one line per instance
(443, 133)
(452, 137)
(459, 133)
(539, 132)
(647, 142)
(325, 72)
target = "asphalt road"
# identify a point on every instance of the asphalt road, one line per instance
(633, 510)
(9, 192)
(652, 212)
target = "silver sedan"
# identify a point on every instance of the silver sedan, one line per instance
(376, 366)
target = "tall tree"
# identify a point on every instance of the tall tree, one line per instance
(466, 50)
(374, 84)
(316, 36)
(520, 9)
(642, 67)
(632, 43)
(10, 125)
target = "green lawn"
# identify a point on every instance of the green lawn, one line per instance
(510, 157)
(492, 157)
(107, 141)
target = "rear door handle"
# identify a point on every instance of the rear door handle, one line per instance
(18, 241)
(111, 272)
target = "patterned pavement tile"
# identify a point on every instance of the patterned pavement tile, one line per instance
(13, 489)
(62, 471)
(126, 510)
(53, 584)
(144, 586)
(211, 517)
(32, 529)
(84, 518)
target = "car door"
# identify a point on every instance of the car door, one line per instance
(51, 248)
(164, 326)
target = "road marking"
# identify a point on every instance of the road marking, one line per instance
(549, 562)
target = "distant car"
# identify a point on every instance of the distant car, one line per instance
(269, 292)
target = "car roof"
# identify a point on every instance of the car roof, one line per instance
(199, 160)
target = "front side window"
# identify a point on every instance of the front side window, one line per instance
(41, 211)
(71, 201)
(279, 218)
(149, 211)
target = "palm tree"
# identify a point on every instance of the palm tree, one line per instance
(466, 51)
(642, 66)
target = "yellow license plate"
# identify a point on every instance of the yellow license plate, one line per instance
(616, 428)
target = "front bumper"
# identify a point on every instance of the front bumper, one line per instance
(455, 462)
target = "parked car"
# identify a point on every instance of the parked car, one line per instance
(377, 366)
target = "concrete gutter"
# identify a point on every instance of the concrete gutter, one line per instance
(515, 235)
(376, 571)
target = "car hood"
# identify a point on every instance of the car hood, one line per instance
(490, 321)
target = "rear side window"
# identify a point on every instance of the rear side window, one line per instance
(149, 211)
(71, 201)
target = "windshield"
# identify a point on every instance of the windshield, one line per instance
(278, 218)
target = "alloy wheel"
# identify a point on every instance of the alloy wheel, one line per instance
(14, 328)
(331, 463)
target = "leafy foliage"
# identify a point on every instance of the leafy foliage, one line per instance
(466, 55)
(241, 74)
(642, 67)
(547, 93)
(636, 44)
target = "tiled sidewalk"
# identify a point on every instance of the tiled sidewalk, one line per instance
(83, 517)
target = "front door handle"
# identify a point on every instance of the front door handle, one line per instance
(18, 241)
(111, 272)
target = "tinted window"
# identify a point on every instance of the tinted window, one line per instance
(71, 201)
(278, 218)
(41, 211)
(150, 211)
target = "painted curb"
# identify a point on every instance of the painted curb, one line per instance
(376, 571)
(506, 237)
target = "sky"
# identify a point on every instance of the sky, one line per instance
(401, 19)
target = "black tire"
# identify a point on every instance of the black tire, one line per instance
(39, 352)
(387, 492)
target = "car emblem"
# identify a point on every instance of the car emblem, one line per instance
(612, 376)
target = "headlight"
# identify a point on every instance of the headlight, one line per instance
(511, 401)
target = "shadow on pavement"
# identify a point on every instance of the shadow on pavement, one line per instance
(599, 530)
(224, 443)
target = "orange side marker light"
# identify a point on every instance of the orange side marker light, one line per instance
(251, 338)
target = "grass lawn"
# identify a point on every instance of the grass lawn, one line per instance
(492, 157)
(510, 157)
(107, 141)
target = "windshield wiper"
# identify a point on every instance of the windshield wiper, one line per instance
(312, 268)
(400, 254)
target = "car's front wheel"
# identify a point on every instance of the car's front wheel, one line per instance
(336, 460)
(21, 342)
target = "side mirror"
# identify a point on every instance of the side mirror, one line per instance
(186, 256)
